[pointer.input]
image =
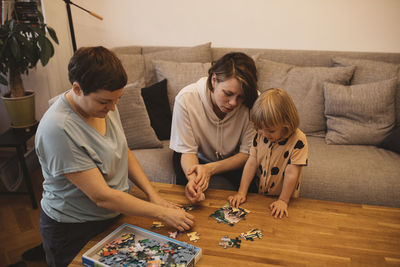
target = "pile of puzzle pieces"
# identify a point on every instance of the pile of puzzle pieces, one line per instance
(125, 252)
(249, 235)
(252, 234)
(228, 242)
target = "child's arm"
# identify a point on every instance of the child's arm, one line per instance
(279, 207)
(249, 171)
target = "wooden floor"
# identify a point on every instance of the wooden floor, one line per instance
(19, 225)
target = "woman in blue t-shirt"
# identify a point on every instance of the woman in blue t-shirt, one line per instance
(86, 161)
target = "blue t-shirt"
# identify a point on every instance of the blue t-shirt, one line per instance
(65, 143)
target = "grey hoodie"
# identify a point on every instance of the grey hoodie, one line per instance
(197, 129)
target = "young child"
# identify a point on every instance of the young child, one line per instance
(278, 152)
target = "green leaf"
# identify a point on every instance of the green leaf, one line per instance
(15, 49)
(47, 50)
(53, 34)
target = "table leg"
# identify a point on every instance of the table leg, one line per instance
(20, 153)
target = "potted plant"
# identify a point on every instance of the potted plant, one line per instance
(22, 45)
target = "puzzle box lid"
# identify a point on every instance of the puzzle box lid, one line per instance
(91, 258)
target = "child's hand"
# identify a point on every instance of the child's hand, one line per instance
(237, 199)
(279, 208)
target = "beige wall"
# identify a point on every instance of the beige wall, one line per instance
(347, 25)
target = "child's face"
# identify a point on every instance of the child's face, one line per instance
(273, 134)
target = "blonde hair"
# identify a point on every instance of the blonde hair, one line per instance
(274, 107)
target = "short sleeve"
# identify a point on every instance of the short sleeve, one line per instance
(253, 148)
(59, 154)
(182, 137)
(299, 155)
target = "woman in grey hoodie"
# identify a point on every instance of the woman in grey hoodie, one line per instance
(211, 132)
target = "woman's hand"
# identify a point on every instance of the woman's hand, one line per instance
(203, 175)
(178, 218)
(157, 199)
(237, 199)
(192, 192)
(279, 208)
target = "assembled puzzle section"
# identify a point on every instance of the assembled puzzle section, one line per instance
(133, 246)
(229, 215)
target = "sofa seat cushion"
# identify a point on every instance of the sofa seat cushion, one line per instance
(157, 163)
(351, 173)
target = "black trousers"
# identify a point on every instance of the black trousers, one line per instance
(228, 180)
(63, 241)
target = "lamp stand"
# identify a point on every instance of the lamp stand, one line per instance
(68, 4)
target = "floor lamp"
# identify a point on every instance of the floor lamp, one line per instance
(68, 4)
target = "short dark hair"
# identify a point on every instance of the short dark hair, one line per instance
(240, 66)
(96, 68)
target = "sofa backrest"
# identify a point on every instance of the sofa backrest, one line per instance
(310, 58)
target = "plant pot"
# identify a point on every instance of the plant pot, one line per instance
(21, 110)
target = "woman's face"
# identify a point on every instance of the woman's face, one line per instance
(99, 103)
(227, 95)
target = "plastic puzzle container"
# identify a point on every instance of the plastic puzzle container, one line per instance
(130, 245)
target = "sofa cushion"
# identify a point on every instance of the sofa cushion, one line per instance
(179, 75)
(351, 173)
(305, 86)
(392, 141)
(156, 100)
(157, 163)
(133, 65)
(360, 114)
(201, 53)
(134, 118)
(368, 71)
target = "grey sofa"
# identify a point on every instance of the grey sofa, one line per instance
(353, 173)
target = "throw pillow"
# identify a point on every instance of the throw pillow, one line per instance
(305, 86)
(133, 65)
(201, 53)
(368, 71)
(179, 75)
(134, 118)
(392, 141)
(156, 100)
(360, 114)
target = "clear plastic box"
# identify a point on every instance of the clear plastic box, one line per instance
(91, 258)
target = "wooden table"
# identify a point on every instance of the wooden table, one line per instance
(315, 233)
